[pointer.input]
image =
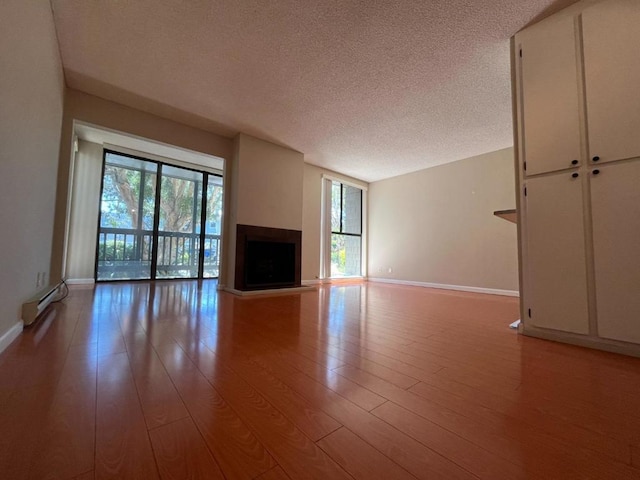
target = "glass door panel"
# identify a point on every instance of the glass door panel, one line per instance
(213, 224)
(126, 218)
(179, 223)
(346, 255)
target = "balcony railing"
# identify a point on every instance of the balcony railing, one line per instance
(125, 253)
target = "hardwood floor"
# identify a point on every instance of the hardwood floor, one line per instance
(175, 380)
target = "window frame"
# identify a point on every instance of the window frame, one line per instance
(326, 226)
(160, 162)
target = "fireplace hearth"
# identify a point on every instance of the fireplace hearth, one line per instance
(267, 258)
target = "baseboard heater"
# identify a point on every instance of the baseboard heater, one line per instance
(33, 307)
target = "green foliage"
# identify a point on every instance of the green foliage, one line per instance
(117, 250)
(338, 253)
(178, 210)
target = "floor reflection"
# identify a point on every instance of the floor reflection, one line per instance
(430, 382)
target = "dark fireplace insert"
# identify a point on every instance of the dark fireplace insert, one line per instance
(267, 258)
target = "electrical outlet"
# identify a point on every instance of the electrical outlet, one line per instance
(390, 270)
(38, 280)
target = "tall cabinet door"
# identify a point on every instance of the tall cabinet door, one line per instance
(549, 94)
(556, 265)
(615, 207)
(611, 33)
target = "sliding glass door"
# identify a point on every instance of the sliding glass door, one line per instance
(179, 225)
(213, 228)
(152, 229)
(127, 211)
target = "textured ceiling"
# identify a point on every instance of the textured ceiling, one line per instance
(369, 88)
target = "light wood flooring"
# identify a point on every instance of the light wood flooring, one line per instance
(175, 380)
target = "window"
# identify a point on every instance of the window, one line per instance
(152, 218)
(344, 245)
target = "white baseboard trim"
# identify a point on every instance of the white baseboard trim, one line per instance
(10, 335)
(80, 281)
(334, 280)
(607, 345)
(442, 286)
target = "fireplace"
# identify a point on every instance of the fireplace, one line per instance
(267, 258)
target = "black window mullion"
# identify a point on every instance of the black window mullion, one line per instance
(361, 212)
(156, 224)
(341, 210)
(203, 224)
(143, 181)
(192, 238)
(95, 267)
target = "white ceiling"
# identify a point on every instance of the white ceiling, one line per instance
(369, 88)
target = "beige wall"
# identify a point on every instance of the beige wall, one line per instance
(266, 185)
(312, 217)
(31, 99)
(97, 111)
(269, 184)
(437, 225)
(230, 220)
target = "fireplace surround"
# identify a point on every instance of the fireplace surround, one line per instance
(267, 258)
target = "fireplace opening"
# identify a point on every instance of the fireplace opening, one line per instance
(267, 258)
(270, 264)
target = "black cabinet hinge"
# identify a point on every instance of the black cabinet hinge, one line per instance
(529, 313)
(520, 53)
(525, 191)
(525, 166)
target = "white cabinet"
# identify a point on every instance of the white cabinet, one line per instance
(615, 209)
(578, 97)
(549, 96)
(556, 253)
(611, 32)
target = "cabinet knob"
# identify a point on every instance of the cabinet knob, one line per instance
(574, 175)
(596, 158)
(596, 172)
(574, 162)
